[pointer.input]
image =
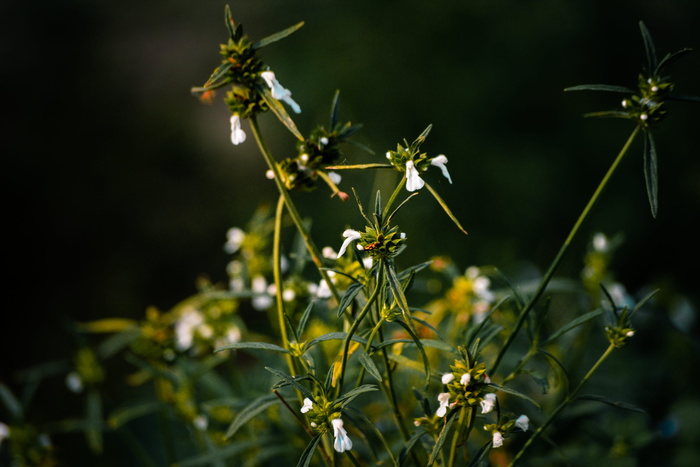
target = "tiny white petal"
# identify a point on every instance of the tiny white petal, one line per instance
(342, 440)
(488, 403)
(440, 161)
(279, 92)
(413, 180)
(447, 378)
(237, 133)
(335, 177)
(497, 439)
(308, 405)
(349, 235)
(523, 422)
(444, 400)
(465, 379)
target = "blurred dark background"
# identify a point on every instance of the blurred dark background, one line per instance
(121, 184)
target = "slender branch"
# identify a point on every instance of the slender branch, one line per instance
(562, 251)
(277, 274)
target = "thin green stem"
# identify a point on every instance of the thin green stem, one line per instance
(277, 275)
(562, 251)
(291, 208)
(567, 400)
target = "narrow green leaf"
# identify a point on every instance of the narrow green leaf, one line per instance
(250, 411)
(608, 114)
(334, 336)
(444, 207)
(679, 97)
(370, 428)
(93, 417)
(122, 416)
(335, 108)
(643, 302)
(600, 87)
(277, 36)
(649, 48)
(353, 393)
(293, 380)
(216, 79)
(670, 58)
(253, 345)
(408, 446)
(14, 408)
(476, 461)
(515, 393)
(348, 297)
(304, 319)
(281, 113)
(605, 400)
(370, 366)
(572, 324)
(435, 453)
(308, 453)
(651, 173)
(230, 24)
(414, 335)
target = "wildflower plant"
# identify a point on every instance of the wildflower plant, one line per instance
(348, 369)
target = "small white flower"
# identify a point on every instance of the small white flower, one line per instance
(329, 252)
(349, 235)
(440, 161)
(497, 439)
(342, 440)
(288, 295)
(4, 432)
(237, 134)
(600, 242)
(447, 378)
(488, 403)
(261, 299)
(522, 422)
(444, 400)
(278, 92)
(335, 177)
(465, 379)
(388, 154)
(234, 240)
(308, 405)
(200, 422)
(186, 326)
(413, 180)
(270, 175)
(74, 382)
(323, 141)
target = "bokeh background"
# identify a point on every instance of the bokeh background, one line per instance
(121, 185)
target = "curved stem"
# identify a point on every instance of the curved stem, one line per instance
(291, 208)
(277, 274)
(562, 251)
(562, 405)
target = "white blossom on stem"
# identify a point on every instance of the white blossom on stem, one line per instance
(523, 422)
(497, 439)
(447, 378)
(465, 379)
(488, 403)
(413, 180)
(349, 235)
(440, 161)
(308, 405)
(237, 133)
(279, 92)
(444, 400)
(342, 440)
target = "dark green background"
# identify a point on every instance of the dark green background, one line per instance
(121, 185)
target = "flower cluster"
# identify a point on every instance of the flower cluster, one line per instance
(325, 416)
(412, 162)
(500, 431)
(465, 387)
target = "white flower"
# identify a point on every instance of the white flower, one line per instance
(349, 235)
(200, 422)
(522, 422)
(186, 326)
(497, 439)
(335, 177)
(261, 299)
(308, 405)
(444, 400)
(447, 377)
(4, 432)
(413, 180)
(466, 377)
(278, 92)
(234, 240)
(237, 134)
(440, 161)
(342, 440)
(74, 382)
(488, 403)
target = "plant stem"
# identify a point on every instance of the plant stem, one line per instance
(291, 208)
(562, 251)
(277, 274)
(567, 400)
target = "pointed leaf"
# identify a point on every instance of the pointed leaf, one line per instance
(304, 318)
(308, 453)
(348, 297)
(370, 366)
(292, 380)
(651, 173)
(352, 394)
(435, 453)
(605, 400)
(513, 392)
(649, 48)
(670, 58)
(93, 418)
(572, 324)
(253, 345)
(250, 411)
(122, 416)
(600, 87)
(281, 113)
(14, 408)
(335, 108)
(277, 36)
(332, 336)
(426, 364)
(444, 207)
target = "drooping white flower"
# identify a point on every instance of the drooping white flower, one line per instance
(342, 440)
(440, 161)
(349, 235)
(413, 180)
(444, 400)
(465, 379)
(308, 405)
(488, 403)
(497, 439)
(522, 422)
(237, 133)
(278, 92)
(447, 378)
